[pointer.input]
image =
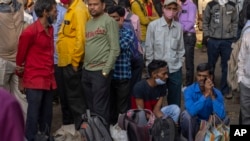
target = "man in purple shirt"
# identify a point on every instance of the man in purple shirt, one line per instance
(11, 118)
(187, 19)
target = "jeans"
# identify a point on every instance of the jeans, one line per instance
(39, 114)
(119, 98)
(172, 111)
(97, 91)
(174, 83)
(244, 104)
(67, 117)
(222, 48)
(189, 42)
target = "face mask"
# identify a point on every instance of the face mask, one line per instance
(170, 14)
(50, 20)
(159, 81)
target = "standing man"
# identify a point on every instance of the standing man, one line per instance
(12, 24)
(101, 50)
(187, 19)
(220, 25)
(37, 80)
(165, 41)
(70, 49)
(243, 71)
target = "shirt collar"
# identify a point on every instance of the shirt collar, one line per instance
(39, 26)
(73, 5)
(163, 22)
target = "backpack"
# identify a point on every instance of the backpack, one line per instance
(136, 124)
(232, 64)
(134, 49)
(164, 129)
(93, 128)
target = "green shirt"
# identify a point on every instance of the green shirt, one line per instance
(102, 44)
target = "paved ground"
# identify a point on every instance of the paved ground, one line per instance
(232, 106)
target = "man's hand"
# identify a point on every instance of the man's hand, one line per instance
(19, 69)
(208, 87)
(74, 68)
(20, 85)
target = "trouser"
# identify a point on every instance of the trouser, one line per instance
(9, 81)
(172, 111)
(244, 104)
(222, 48)
(119, 98)
(189, 42)
(174, 83)
(97, 91)
(39, 113)
(74, 93)
(67, 117)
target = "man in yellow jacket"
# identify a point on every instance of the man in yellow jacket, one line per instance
(70, 48)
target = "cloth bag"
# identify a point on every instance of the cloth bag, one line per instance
(117, 133)
(209, 131)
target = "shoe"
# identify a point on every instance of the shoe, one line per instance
(229, 96)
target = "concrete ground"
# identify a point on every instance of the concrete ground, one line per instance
(232, 106)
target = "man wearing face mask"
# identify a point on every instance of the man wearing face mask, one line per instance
(70, 49)
(149, 93)
(35, 68)
(187, 18)
(164, 41)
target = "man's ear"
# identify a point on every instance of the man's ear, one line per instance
(103, 6)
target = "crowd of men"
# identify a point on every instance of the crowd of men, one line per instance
(85, 54)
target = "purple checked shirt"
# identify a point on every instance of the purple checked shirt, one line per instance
(187, 16)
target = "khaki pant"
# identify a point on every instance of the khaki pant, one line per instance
(9, 81)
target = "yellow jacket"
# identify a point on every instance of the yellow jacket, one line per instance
(71, 37)
(142, 14)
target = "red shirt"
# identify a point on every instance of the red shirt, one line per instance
(35, 53)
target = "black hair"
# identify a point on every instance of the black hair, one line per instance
(243, 14)
(118, 9)
(155, 65)
(41, 5)
(204, 67)
(248, 11)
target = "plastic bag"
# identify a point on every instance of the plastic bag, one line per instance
(117, 133)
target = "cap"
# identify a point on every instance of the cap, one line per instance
(167, 2)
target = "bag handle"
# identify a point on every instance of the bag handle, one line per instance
(151, 117)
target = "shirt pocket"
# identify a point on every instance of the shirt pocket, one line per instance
(69, 27)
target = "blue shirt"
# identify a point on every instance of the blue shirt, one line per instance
(123, 63)
(198, 105)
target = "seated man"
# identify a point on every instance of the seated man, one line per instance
(149, 93)
(201, 100)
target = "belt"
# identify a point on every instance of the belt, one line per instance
(189, 34)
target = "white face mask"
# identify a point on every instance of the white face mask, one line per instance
(159, 81)
(169, 14)
(222, 2)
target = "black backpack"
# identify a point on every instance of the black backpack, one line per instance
(94, 128)
(164, 129)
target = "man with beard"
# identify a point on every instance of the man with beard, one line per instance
(201, 100)
(35, 68)
(164, 41)
(101, 50)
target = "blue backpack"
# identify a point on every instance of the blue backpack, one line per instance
(134, 49)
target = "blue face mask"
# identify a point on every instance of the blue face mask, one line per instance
(159, 81)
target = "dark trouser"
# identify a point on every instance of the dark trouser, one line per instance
(174, 83)
(97, 91)
(39, 114)
(74, 93)
(67, 117)
(222, 48)
(119, 98)
(244, 104)
(189, 42)
(190, 125)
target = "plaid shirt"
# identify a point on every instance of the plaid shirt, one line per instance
(123, 63)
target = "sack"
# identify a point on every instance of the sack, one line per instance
(93, 128)
(67, 133)
(117, 133)
(209, 131)
(232, 68)
(134, 48)
(164, 129)
(136, 124)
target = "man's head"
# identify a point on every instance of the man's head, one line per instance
(169, 9)
(46, 9)
(96, 7)
(158, 71)
(117, 13)
(204, 71)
